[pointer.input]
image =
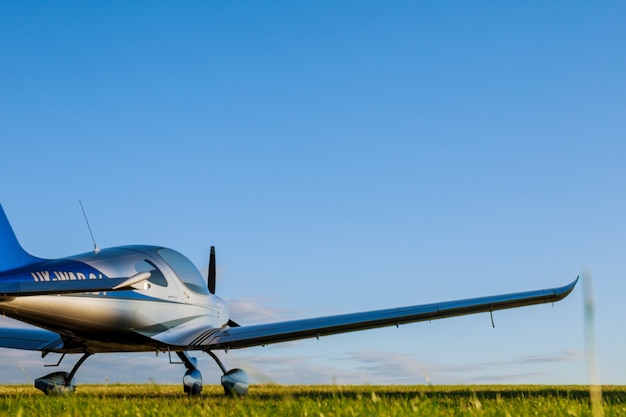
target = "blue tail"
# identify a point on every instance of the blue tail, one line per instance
(12, 255)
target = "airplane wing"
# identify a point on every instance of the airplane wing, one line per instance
(262, 334)
(30, 339)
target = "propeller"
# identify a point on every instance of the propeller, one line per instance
(211, 280)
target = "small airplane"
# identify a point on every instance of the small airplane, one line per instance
(142, 298)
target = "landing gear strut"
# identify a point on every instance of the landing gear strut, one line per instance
(192, 380)
(235, 381)
(60, 382)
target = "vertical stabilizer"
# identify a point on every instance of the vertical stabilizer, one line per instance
(12, 255)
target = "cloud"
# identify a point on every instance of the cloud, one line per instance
(380, 367)
(19, 365)
(504, 371)
(509, 377)
(561, 356)
(555, 357)
(384, 368)
(254, 311)
(286, 370)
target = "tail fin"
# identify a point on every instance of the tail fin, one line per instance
(12, 255)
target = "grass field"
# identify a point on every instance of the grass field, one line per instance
(313, 401)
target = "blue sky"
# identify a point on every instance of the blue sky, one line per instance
(342, 156)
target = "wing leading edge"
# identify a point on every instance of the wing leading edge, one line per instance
(262, 334)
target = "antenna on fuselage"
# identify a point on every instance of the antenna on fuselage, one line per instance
(96, 249)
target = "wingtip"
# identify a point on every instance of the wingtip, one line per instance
(564, 291)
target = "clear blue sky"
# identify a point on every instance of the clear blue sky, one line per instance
(342, 156)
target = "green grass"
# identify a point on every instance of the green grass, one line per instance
(313, 401)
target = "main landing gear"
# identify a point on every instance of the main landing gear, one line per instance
(60, 382)
(235, 381)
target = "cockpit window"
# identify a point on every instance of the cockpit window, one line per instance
(156, 276)
(185, 270)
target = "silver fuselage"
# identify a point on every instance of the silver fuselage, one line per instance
(173, 300)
